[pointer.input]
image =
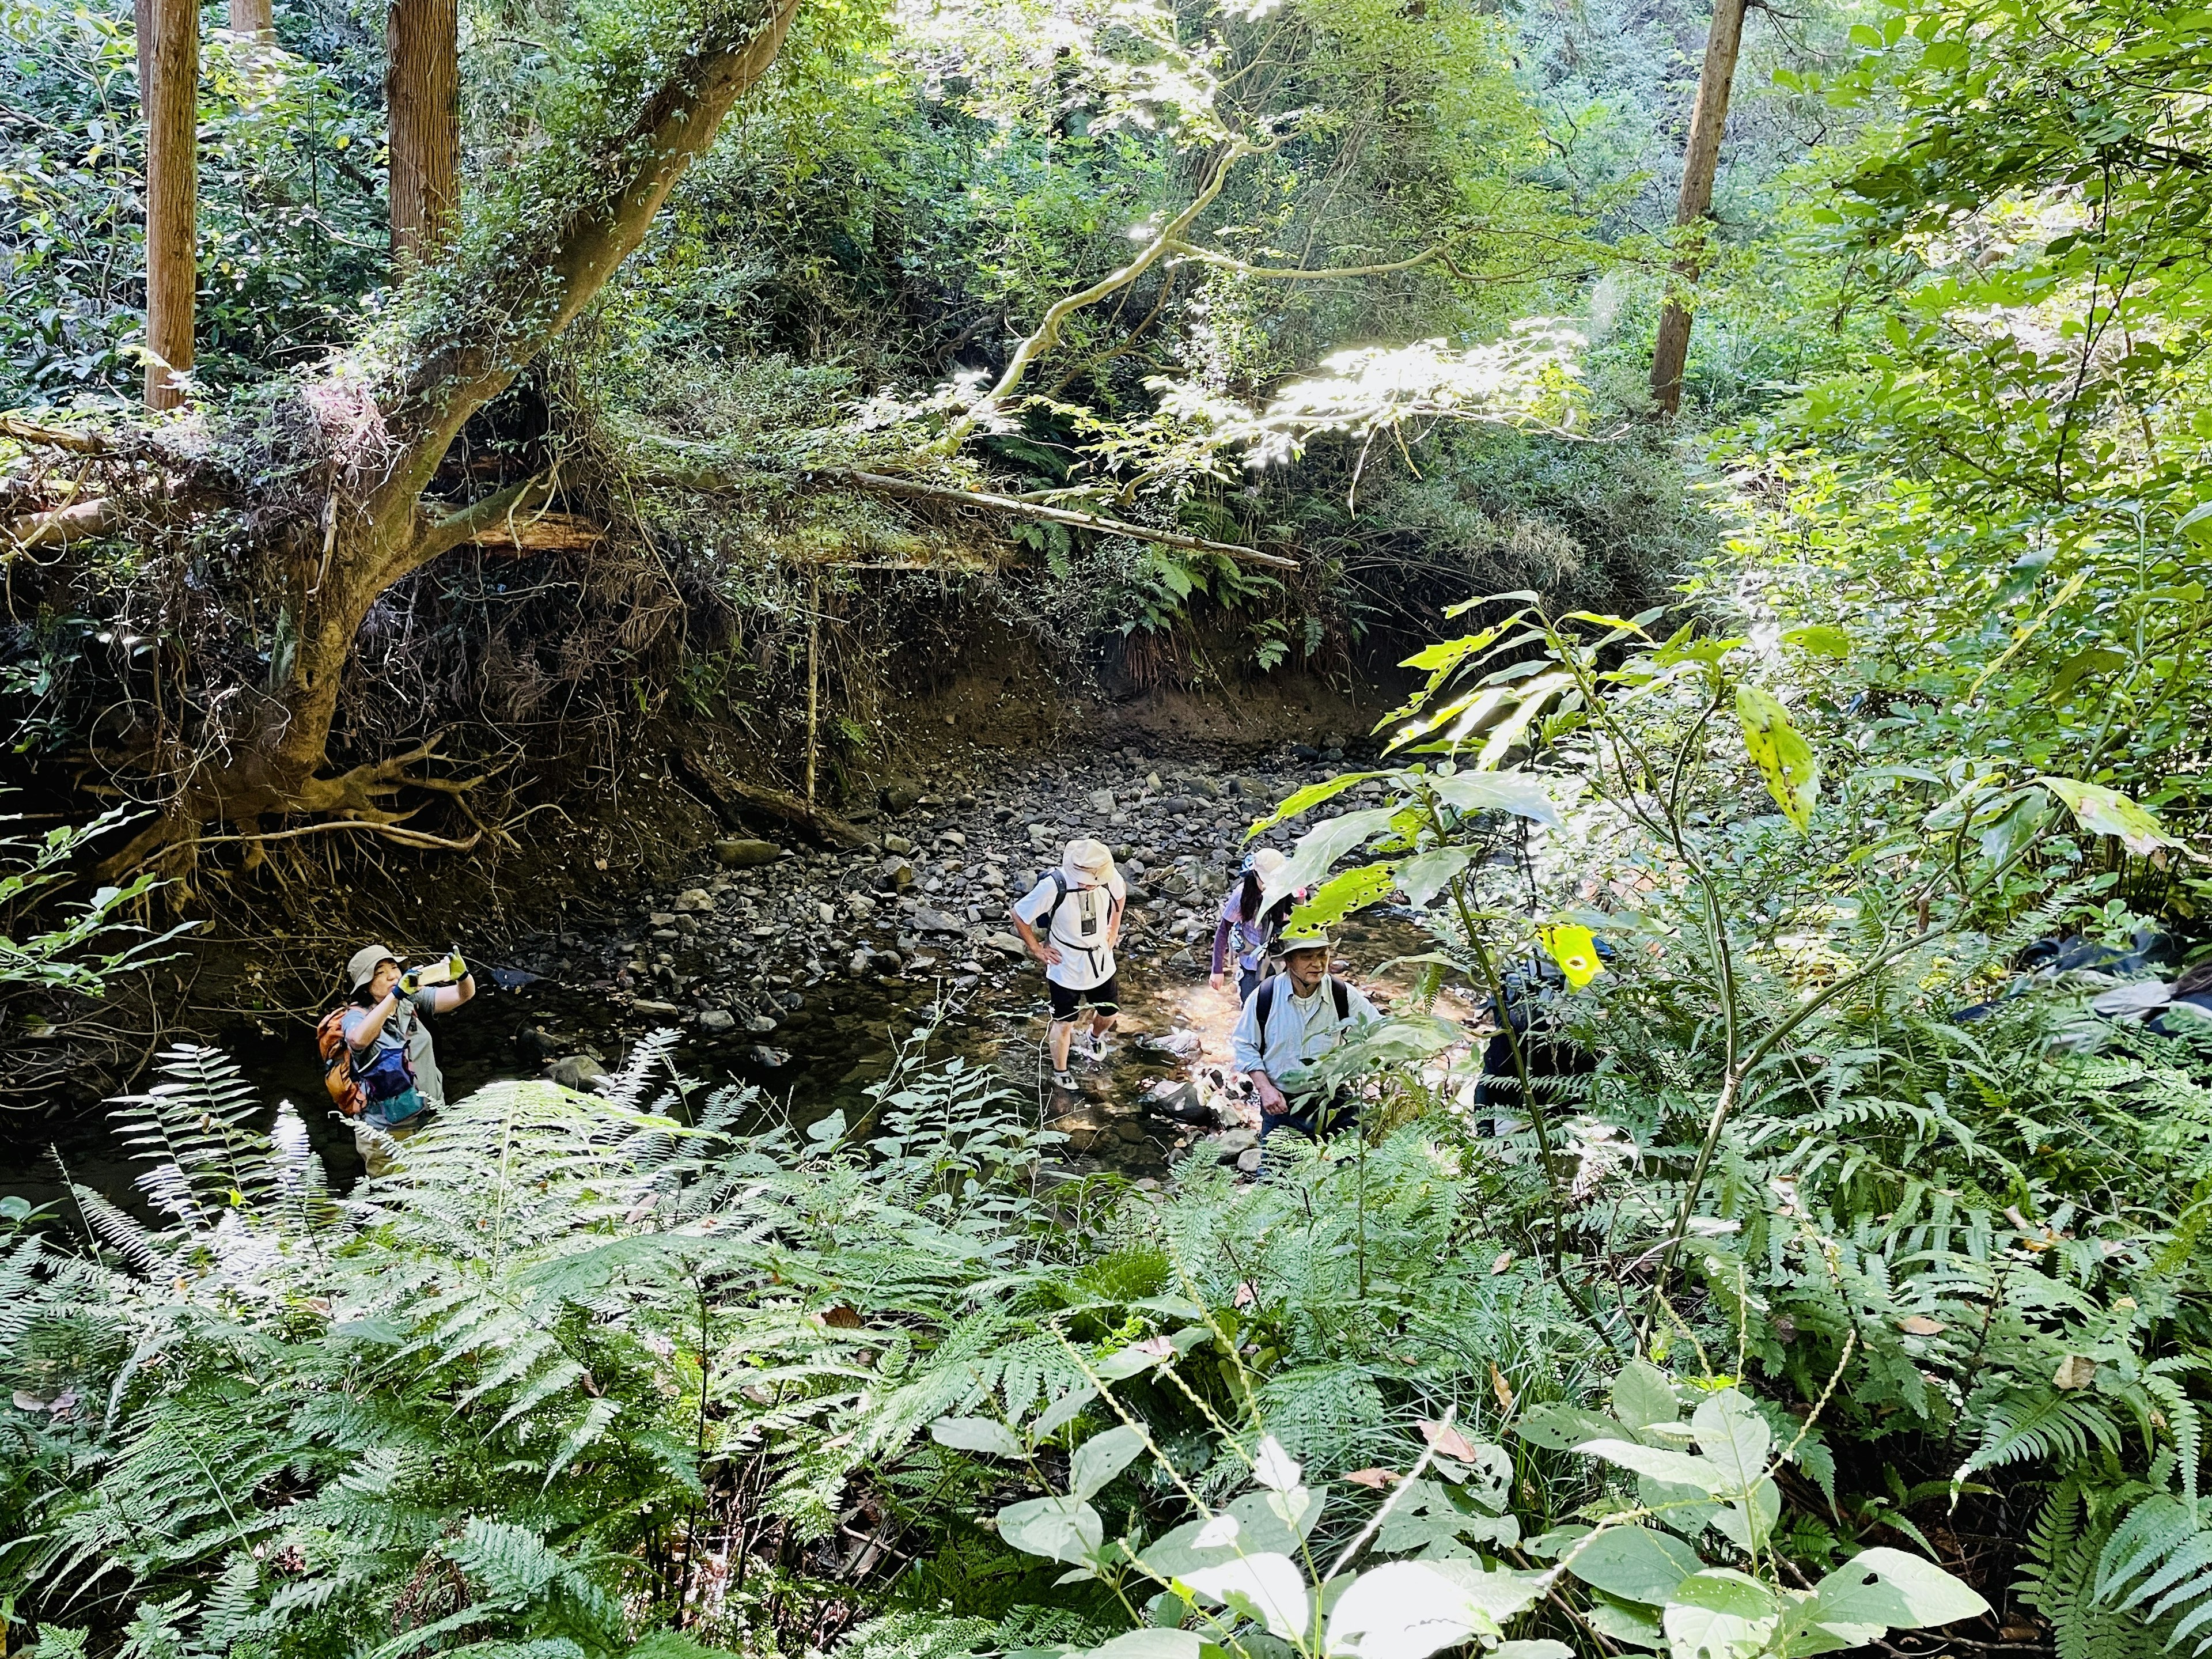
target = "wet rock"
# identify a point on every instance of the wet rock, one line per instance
(760, 1025)
(898, 844)
(1007, 944)
(739, 853)
(859, 964)
(938, 921)
(576, 1072)
(860, 905)
(1230, 1142)
(894, 872)
(1102, 800)
(762, 1054)
(1175, 806)
(657, 1010)
(952, 837)
(1130, 1132)
(696, 899)
(1247, 1160)
(1199, 784)
(826, 912)
(1251, 788)
(900, 794)
(715, 1021)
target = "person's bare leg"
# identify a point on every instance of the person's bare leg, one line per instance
(1102, 1026)
(1061, 1033)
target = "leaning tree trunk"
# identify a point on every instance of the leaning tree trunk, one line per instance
(171, 97)
(376, 447)
(254, 18)
(423, 108)
(1700, 161)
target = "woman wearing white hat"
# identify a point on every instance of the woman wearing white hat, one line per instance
(1253, 923)
(1071, 921)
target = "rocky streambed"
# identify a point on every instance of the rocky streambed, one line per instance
(805, 970)
(808, 972)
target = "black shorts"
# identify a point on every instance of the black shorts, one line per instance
(1099, 999)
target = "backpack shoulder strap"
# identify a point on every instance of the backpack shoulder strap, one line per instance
(1265, 996)
(1058, 897)
(1343, 999)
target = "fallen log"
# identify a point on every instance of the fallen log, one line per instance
(733, 801)
(60, 526)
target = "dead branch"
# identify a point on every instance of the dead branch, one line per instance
(730, 797)
(542, 532)
(882, 485)
(1434, 256)
(63, 525)
(54, 437)
(497, 515)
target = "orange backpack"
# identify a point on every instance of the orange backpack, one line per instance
(338, 1062)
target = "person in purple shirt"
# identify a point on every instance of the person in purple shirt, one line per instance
(1251, 923)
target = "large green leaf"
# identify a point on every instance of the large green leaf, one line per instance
(1562, 1428)
(1269, 1588)
(1518, 792)
(1410, 1609)
(1320, 847)
(1343, 893)
(1102, 1457)
(1891, 1588)
(1635, 1563)
(2103, 811)
(1785, 759)
(1732, 1436)
(1678, 1467)
(1305, 799)
(976, 1434)
(1152, 1643)
(1644, 1394)
(1424, 875)
(1059, 1528)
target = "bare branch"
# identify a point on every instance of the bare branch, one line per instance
(882, 484)
(1433, 255)
(494, 515)
(1047, 332)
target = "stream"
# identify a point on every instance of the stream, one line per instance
(804, 973)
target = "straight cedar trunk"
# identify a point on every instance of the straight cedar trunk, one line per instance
(422, 108)
(255, 17)
(1701, 160)
(171, 97)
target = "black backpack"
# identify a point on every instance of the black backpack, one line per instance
(1266, 995)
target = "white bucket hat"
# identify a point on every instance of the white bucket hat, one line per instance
(1088, 861)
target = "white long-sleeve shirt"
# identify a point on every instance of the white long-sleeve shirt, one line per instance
(1300, 1029)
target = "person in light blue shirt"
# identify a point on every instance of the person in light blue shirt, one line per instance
(1289, 1022)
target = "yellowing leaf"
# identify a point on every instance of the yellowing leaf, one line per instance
(2105, 812)
(1576, 951)
(1785, 759)
(1818, 639)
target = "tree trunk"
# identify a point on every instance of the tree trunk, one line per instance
(256, 18)
(423, 106)
(172, 104)
(1701, 160)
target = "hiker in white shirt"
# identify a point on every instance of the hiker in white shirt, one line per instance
(1289, 1022)
(1071, 921)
